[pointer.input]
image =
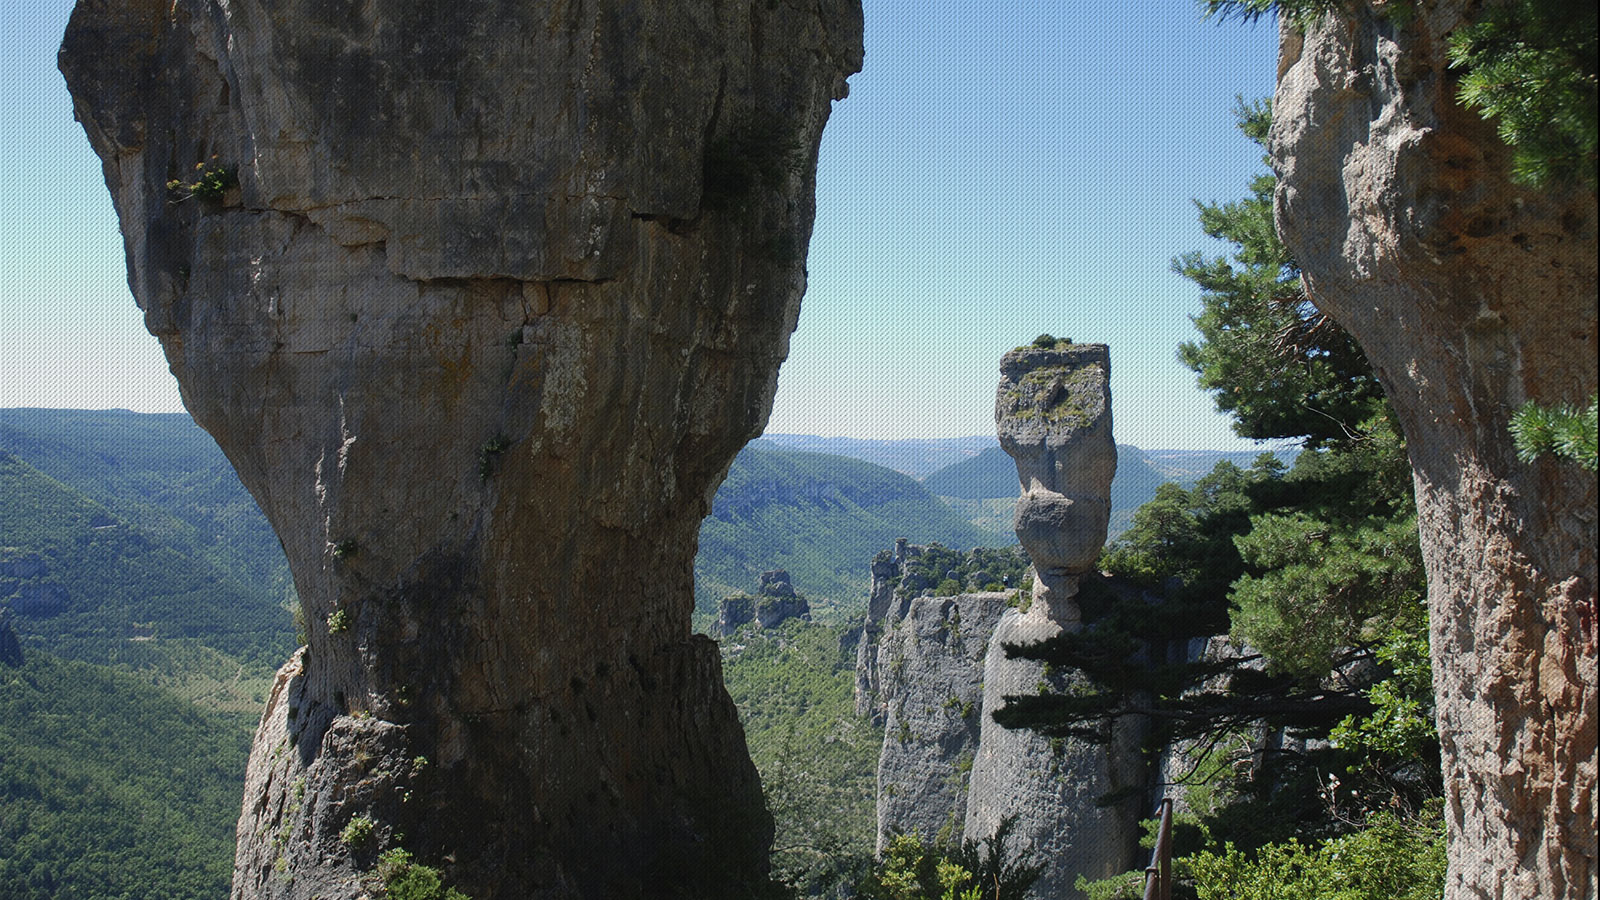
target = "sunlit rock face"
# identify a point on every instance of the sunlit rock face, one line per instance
(480, 299)
(1470, 295)
(930, 673)
(1053, 416)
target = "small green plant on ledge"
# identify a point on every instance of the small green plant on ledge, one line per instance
(489, 452)
(405, 879)
(1046, 342)
(345, 549)
(338, 621)
(211, 183)
(358, 832)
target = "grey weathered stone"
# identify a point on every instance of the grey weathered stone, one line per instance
(931, 665)
(1053, 415)
(774, 611)
(498, 293)
(1470, 295)
(775, 603)
(1053, 788)
(734, 612)
(887, 568)
(775, 584)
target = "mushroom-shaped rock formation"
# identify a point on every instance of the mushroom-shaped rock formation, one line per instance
(1053, 414)
(480, 299)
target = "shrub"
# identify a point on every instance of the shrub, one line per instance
(405, 879)
(211, 182)
(358, 832)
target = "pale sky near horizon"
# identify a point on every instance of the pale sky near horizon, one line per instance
(1001, 169)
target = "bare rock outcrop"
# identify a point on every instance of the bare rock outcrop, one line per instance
(480, 299)
(931, 664)
(1053, 414)
(1470, 295)
(883, 607)
(775, 602)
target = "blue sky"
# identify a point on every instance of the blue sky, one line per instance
(1001, 169)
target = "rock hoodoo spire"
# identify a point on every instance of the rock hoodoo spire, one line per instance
(480, 299)
(1053, 415)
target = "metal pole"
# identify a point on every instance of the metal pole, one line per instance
(1158, 875)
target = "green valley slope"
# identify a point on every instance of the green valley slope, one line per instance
(111, 788)
(821, 518)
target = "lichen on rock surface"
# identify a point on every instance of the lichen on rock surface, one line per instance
(481, 325)
(1053, 417)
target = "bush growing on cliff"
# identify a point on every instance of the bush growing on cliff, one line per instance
(971, 870)
(406, 879)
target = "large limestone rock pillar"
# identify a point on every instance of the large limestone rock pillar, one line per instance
(1470, 295)
(481, 299)
(1053, 415)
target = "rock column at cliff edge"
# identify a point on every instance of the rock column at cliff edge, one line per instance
(480, 299)
(1470, 295)
(1053, 416)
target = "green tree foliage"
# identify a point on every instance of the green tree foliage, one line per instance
(1561, 430)
(1530, 66)
(971, 870)
(139, 550)
(406, 879)
(795, 689)
(111, 788)
(1390, 858)
(948, 572)
(1273, 361)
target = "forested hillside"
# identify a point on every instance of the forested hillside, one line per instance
(127, 542)
(159, 472)
(821, 518)
(111, 788)
(88, 583)
(794, 686)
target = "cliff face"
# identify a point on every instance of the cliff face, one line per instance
(931, 665)
(480, 299)
(1470, 295)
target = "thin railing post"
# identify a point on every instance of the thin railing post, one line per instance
(1158, 875)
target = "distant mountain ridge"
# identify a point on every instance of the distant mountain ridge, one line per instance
(819, 516)
(983, 484)
(916, 457)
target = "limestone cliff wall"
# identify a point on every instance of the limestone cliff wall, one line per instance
(931, 662)
(1470, 295)
(481, 299)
